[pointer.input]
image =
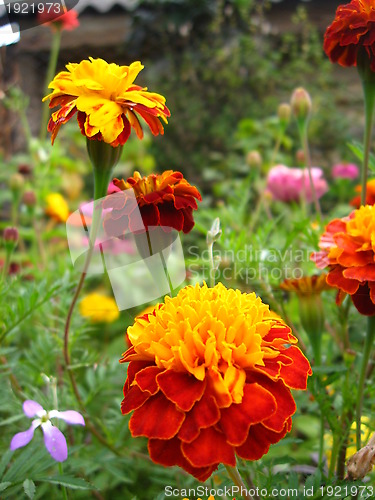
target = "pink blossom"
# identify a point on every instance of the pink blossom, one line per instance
(345, 171)
(290, 184)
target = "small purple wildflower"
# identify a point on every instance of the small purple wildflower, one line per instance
(54, 439)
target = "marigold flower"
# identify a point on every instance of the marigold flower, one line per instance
(166, 200)
(99, 308)
(348, 249)
(370, 194)
(64, 22)
(107, 101)
(306, 286)
(351, 32)
(219, 369)
(57, 207)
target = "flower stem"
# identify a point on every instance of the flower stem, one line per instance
(238, 481)
(306, 150)
(63, 488)
(370, 335)
(369, 94)
(54, 54)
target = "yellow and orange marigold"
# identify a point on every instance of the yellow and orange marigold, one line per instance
(370, 194)
(348, 250)
(166, 200)
(107, 100)
(219, 370)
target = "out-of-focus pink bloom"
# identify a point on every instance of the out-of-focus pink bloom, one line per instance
(68, 21)
(290, 184)
(112, 188)
(345, 171)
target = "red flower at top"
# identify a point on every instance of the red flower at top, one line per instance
(67, 21)
(352, 30)
(165, 200)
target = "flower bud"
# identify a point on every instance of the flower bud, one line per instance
(300, 157)
(254, 159)
(25, 170)
(301, 104)
(284, 111)
(10, 235)
(214, 233)
(16, 182)
(29, 199)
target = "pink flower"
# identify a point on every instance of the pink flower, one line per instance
(290, 184)
(345, 171)
(67, 21)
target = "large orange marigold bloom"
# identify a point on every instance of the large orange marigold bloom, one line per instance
(348, 249)
(209, 378)
(166, 200)
(352, 31)
(370, 194)
(107, 100)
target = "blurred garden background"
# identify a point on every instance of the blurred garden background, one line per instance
(228, 69)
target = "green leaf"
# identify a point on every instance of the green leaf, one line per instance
(68, 482)
(29, 488)
(5, 461)
(357, 149)
(4, 486)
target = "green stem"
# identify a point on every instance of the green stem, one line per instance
(306, 150)
(369, 94)
(52, 64)
(6, 266)
(238, 481)
(212, 269)
(370, 335)
(63, 488)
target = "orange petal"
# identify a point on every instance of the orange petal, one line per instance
(259, 440)
(205, 413)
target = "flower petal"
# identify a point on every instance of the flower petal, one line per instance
(71, 417)
(55, 442)
(24, 438)
(210, 448)
(182, 389)
(33, 409)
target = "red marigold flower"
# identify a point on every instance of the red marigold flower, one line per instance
(64, 22)
(107, 100)
(348, 249)
(166, 200)
(370, 194)
(351, 31)
(219, 370)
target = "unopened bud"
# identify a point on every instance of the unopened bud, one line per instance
(29, 199)
(10, 234)
(284, 111)
(254, 159)
(16, 182)
(25, 170)
(301, 104)
(214, 233)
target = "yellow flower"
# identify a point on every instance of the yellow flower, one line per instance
(107, 101)
(57, 207)
(99, 308)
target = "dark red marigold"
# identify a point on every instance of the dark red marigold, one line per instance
(209, 378)
(165, 200)
(352, 31)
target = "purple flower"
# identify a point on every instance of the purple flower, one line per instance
(345, 171)
(54, 439)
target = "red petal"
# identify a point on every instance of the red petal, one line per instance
(188, 220)
(285, 403)
(146, 379)
(257, 404)
(181, 388)
(134, 398)
(170, 217)
(295, 375)
(156, 418)
(363, 273)
(336, 278)
(210, 448)
(362, 301)
(204, 414)
(168, 453)
(150, 217)
(259, 440)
